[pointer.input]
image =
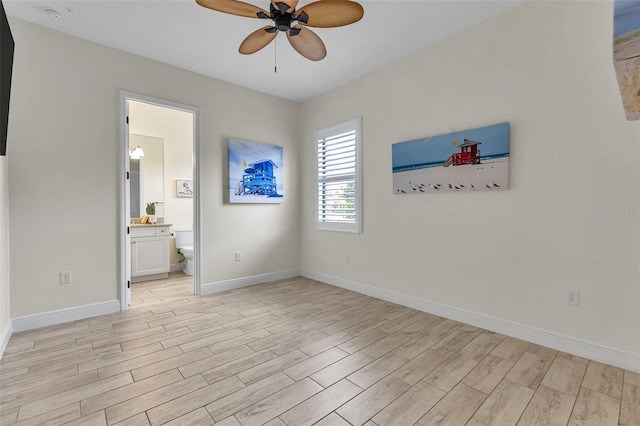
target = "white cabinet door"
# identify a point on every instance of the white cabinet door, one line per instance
(149, 255)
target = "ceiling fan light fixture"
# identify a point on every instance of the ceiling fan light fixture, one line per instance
(283, 13)
(283, 21)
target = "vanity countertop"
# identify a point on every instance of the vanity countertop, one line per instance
(149, 225)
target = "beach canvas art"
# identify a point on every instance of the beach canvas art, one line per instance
(626, 54)
(255, 172)
(468, 160)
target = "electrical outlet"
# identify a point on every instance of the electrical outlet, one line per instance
(573, 298)
(65, 277)
(347, 259)
(237, 256)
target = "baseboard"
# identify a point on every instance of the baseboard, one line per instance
(4, 338)
(247, 281)
(44, 319)
(559, 342)
(150, 277)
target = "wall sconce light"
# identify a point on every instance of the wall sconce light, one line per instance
(136, 153)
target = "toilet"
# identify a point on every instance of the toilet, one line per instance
(184, 244)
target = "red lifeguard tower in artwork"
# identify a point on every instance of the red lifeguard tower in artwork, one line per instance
(469, 154)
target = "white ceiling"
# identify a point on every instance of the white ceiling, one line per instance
(181, 33)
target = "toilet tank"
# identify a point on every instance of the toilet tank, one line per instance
(184, 237)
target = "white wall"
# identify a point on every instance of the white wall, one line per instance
(64, 169)
(4, 251)
(545, 67)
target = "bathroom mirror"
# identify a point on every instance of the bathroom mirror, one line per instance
(146, 175)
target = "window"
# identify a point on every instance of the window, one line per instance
(338, 180)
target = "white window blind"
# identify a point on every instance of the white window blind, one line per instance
(338, 178)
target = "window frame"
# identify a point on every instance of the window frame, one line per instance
(354, 124)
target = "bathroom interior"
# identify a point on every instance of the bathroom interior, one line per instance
(160, 196)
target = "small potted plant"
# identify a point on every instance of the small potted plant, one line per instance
(151, 212)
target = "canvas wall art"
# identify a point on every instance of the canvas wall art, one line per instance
(469, 160)
(626, 54)
(255, 172)
(184, 188)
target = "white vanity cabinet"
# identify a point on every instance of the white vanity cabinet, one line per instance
(149, 252)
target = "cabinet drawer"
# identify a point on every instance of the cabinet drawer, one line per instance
(143, 232)
(161, 231)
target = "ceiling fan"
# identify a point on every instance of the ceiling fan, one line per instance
(283, 13)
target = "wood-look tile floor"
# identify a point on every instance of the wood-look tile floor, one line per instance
(296, 352)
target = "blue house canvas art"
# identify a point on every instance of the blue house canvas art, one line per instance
(468, 160)
(255, 172)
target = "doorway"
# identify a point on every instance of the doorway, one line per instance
(160, 196)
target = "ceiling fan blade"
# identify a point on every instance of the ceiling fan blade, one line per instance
(234, 7)
(307, 43)
(330, 13)
(258, 39)
(280, 5)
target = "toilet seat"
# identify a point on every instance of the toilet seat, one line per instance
(186, 249)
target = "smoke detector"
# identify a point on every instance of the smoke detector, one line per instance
(54, 14)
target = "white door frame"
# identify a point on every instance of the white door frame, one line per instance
(125, 247)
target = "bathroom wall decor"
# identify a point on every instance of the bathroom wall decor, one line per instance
(468, 160)
(184, 188)
(255, 172)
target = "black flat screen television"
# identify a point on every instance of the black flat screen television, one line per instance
(6, 67)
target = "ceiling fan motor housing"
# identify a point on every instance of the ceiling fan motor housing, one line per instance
(282, 20)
